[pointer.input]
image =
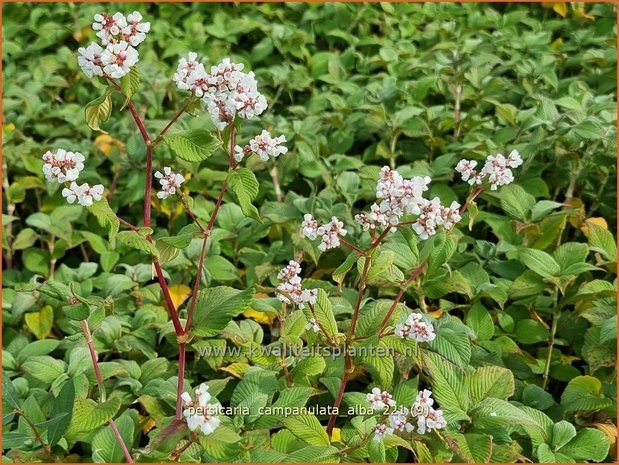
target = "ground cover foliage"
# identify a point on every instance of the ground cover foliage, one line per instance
(521, 294)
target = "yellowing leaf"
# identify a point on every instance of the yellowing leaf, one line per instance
(584, 227)
(105, 143)
(264, 318)
(40, 323)
(179, 293)
(236, 369)
(558, 7)
(9, 127)
(579, 12)
(336, 435)
(557, 43)
(149, 424)
(436, 313)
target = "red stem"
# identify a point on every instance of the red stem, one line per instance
(181, 380)
(121, 442)
(173, 120)
(352, 246)
(340, 393)
(126, 223)
(98, 377)
(139, 123)
(168, 299)
(148, 184)
(398, 297)
(196, 286)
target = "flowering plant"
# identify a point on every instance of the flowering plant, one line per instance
(356, 316)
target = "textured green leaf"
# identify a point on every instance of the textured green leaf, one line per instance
(194, 145)
(216, 306)
(307, 428)
(244, 184)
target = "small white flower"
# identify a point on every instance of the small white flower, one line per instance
(109, 27)
(62, 166)
(118, 58)
(290, 287)
(230, 92)
(380, 399)
(84, 194)
(415, 329)
(427, 417)
(313, 325)
(380, 431)
(399, 422)
(262, 145)
(200, 414)
(89, 59)
(430, 217)
(169, 181)
(135, 31)
(309, 227)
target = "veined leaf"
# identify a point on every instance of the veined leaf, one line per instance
(194, 145)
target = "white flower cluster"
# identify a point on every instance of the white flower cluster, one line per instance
(400, 197)
(313, 325)
(119, 34)
(199, 413)
(62, 166)
(380, 399)
(329, 233)
(170, 182)
(497, 169)
(226, 90)
(415, 329)
(262, 145)
(84, 194)
(427, 417)
(290, 288)
(65, 167)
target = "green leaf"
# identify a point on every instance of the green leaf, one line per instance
(540, 262)
(491, 381)
(98, 110)
(530, 331)
(324, 313)
(449, 385)
(41, 322)
(589, 444)
(341, 271)
(376, 451)
(105, 445)
(137, 241)
(130, 83)
(245, 185)
(584, 393)
(9, 396)
(562, 433)
(106, 216)
(216, 306)
(183, 238)
(602, 241)
(452, 345)
(441, 251)
(194, 145)
(480, 321)
(25, 239)
(307, 428)
(516, 202)
(63, 404)
(88, 415)
(43, 369)
(472, 447)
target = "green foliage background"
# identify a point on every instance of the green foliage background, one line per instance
(353, 87)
